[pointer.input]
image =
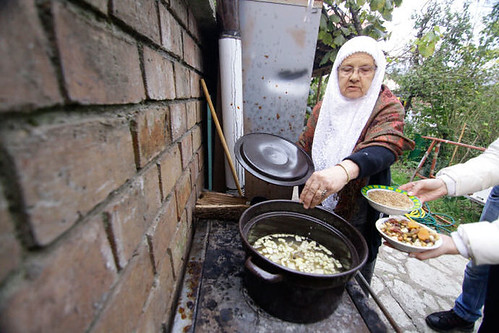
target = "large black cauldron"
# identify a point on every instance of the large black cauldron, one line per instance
(288, 294)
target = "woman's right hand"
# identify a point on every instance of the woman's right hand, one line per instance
(321, 185)
(426, 189)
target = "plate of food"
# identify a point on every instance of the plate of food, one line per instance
(408, 235)
(390, 200)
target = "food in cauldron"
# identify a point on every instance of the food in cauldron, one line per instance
(409, 232)
(298, 253)
(391, 199)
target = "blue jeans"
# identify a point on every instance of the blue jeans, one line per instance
(469, 304)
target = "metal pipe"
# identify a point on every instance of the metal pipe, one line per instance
(453, 142)
(420, 165)
(231, 81)
(434, 160)
(381, 306)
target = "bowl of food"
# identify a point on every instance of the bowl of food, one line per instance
(408, 235)
(390, 200)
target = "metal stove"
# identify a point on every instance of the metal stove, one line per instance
(213, 297)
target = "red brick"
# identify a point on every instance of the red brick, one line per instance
(177, 120)
(195, 85)
(154, 314)
(191, 108)
(191, 205)
(166, 278)
(152, 193)
(190, 49)
(186, 150)
(182, 81)
(197, 138)
(160, 80)
(194, 167)
(179, 8)
(183, 191)
(127, 221)
(199, 161)
(141, 15)
(201, 158)
(10, 249)
(151, 133)
(202, 108)
(179, 246)
(193, 26)
(171, 32)
(160, 299)
(28, 77)
(170, 166)
(122, 312)
(65, 288)
(200, 184)
(98, 67)
(162, 232)
(66, 169)
(101, 5)
(192, 52)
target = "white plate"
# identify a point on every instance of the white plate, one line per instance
(386, 209)
(404, 246)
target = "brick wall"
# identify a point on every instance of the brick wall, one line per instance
(101, 162)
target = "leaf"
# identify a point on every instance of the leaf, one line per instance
(340, 40)
(349, 3)
(377, 5)
(387, 14)
(326, 38)
(388, 5)
(325, 59)
(335, 18)
(361, 3)
(397, 3)
(323, 22)
(378, 24)
(367, 30)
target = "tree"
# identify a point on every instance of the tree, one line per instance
(455, 86)
(343, 19)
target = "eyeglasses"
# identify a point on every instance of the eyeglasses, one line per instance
(362, 70)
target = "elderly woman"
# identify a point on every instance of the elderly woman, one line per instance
(354, 136)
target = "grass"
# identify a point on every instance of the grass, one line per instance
(456, 210)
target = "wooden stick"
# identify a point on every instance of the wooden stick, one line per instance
(459, 141)
(221, 135)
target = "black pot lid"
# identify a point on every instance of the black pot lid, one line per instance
(274, 159)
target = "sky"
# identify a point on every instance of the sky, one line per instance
(401, 25)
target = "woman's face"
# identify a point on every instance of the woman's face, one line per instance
(355, 75)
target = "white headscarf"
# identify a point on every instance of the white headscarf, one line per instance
(342, 119)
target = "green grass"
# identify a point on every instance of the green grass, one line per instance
(456, 210)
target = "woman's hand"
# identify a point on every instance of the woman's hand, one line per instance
(448, 247)
(426, 189)
(321, 185)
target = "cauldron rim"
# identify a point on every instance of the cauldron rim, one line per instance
(361, 259)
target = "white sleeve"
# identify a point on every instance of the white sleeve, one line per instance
(476, 174)
(459, 242)
(481, 240)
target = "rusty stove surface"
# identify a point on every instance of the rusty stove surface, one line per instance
(213, 297)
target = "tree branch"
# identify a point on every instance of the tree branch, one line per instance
(355, 19)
